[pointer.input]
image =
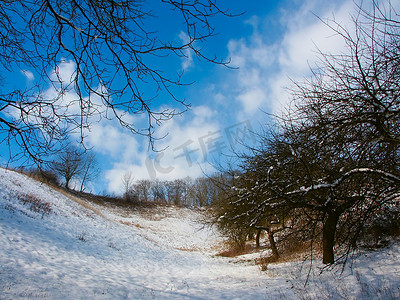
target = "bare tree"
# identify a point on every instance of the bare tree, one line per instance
(202, 192)
(336, 155)
(128, 182)
(142, 189)
(68, 165)
(175, 189)
(74, 163)
(247, 207)
(91, 59)
(90, 170)
(350, 114)
(158, 190)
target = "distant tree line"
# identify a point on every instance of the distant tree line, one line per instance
(189, 192)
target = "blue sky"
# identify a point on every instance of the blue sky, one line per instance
(272, 43)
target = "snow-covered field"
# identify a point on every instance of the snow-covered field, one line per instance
(72, 249)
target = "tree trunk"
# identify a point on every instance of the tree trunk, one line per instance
(258, 235)
(272, 242)
(67, 183)
(84, 177)
(328, 238)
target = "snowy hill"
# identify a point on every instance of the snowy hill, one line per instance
(57, 247)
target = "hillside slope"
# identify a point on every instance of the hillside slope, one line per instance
(73, 253)
(52, 247)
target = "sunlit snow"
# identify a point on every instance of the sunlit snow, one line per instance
(79, 250)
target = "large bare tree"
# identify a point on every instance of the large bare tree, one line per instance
(349, 116)
(336, 155)
(92, 60)
(69, 165)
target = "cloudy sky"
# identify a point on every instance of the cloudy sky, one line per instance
(272, 43)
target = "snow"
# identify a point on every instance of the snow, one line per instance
(80, 250)
(338, 181)
(178, 228)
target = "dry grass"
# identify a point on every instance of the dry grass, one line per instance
(290, 249)
(230, 249)
(35, 204)
(80, 201)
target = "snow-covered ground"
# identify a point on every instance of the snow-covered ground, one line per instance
(73, 249)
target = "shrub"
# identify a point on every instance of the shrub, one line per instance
(45, 176)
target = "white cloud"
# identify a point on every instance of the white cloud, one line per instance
(187, 59)
(64, 72)
(307, 33)
(61, 92)
(64, 102)
(252, 100)
(266, 69)
(28, 74)
(111, 139)
(114, 177)
(253, 58)
(187, 149)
